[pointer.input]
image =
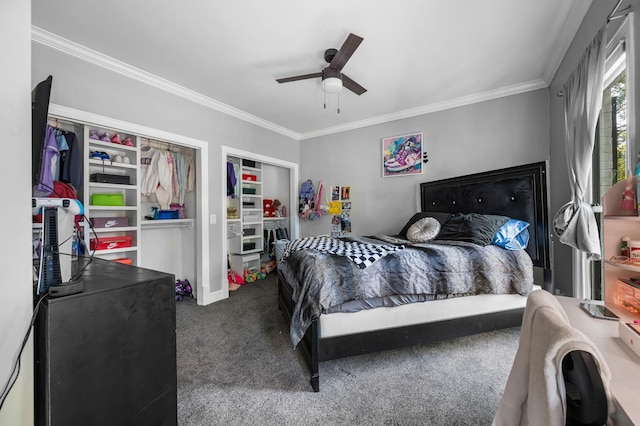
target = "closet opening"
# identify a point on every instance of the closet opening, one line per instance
(259, 206)
(176, 244)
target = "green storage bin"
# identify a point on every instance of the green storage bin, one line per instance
(107, 200)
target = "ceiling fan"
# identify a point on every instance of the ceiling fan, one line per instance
(332, 78)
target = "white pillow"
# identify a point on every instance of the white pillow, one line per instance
(425, 229)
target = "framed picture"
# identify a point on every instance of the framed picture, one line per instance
(402, 155)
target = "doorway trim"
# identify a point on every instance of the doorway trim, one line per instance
(293, 191)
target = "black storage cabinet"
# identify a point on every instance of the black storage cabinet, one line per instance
(107, 356)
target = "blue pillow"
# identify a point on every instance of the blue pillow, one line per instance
(513, 235)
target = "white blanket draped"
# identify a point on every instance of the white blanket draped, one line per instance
(535, 393)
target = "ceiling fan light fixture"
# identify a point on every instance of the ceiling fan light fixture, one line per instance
(332, 84)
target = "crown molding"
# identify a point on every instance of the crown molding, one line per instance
(71, 48)
(427, 109)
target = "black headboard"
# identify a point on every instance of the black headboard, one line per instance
(518, 192)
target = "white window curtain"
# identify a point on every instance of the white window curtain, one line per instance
(575, 223)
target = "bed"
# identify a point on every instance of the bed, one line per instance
(516, 192)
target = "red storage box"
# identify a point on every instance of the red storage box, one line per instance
(109, 243)
(124, 260)
(246, 176)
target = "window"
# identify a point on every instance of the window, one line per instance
(614, 159)
(613, 155)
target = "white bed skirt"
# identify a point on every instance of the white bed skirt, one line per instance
(339, 324)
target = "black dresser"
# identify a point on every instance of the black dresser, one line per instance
(107, 355)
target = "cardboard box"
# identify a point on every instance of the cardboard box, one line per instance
(107, 200)
(247, 176)
(630, 334)
(110, 243)
(251, 217)
(109, 222)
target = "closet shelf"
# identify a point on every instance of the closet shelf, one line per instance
(112, 185)
(167, 223)
(109, 163)
(118, 229)
(115, 250)
(268, 219)
(112, 208)
(112, 146)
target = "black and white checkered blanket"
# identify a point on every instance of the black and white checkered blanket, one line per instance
(361, 254)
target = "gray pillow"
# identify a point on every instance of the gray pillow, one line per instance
(472, 227)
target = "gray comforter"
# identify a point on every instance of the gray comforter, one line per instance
(326, 283)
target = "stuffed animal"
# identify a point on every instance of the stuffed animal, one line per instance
(277, 205)
(183, 289)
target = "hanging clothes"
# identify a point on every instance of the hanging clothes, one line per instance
(231, 180)
(154, 171)
(175, 184)
(71, 162)
(48, 164)
(191, 172)
(63, 148)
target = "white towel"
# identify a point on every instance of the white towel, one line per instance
(535, 391)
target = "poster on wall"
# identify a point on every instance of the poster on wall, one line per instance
(340, 208)
(402, 155)
(335, 193)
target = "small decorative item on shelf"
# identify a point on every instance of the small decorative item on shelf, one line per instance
(232, 213)
(628, 204)
(278, 208)
(627, 294)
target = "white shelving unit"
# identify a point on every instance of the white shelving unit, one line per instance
(246, 232)
(615, 227)
(123, 161)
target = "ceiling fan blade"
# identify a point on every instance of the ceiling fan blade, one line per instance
(352, 85)
(344, 53)
(299, 77)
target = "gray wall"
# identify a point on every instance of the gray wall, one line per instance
(489, 135)
(15, 261)
(84, 86)
(560, 190)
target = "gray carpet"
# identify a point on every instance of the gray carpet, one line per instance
(236, 367)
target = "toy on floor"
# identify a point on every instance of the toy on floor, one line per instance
(235, 280)
(183, 289)
(251, 275)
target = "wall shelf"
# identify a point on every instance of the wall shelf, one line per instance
(167, 223)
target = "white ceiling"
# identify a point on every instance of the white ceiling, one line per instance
(417, 55)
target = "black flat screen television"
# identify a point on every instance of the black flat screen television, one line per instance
(39, 111)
